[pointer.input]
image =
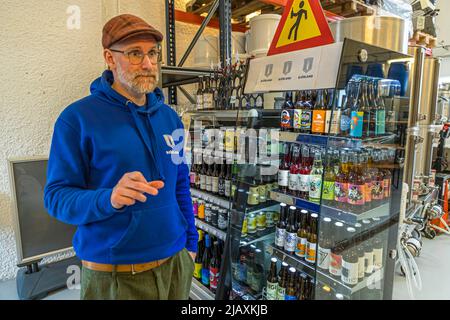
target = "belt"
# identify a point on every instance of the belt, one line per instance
(133, 268)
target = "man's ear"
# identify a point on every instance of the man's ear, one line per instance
(109, 59)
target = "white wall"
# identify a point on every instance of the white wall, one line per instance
(45, 67)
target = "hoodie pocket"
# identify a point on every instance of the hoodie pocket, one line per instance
(153, 227)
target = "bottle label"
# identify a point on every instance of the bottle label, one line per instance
(328, 190)
(301, 247)
(291, 242)
(368, 192)
(280, 236)
(288, 297)
(377, 258)
(198, 271)
(297, 119)
(340, 192)
(311, 252)
(222, 222)
(377, 190)
(208, 183)
(286, 119)
(207, 100)
(227, 188)
(361, 267)
(345, 122)
(304, 182)
(192, 177)
(281, 293)
(386, 187)
(199, 102)
(205, 277)
(305, 122)
(368, 262)
(315, 186)
(244, 226)
(221, 187)
(318, 121)
(215, 184)
(380, 126)
(271, 290)
(213, 277)
(293, 182)
(349, 272)
(202, 182)
(323, 258)
(283, 178)
(335, 122)
(356, 194)
(335, 264)
(356, 125)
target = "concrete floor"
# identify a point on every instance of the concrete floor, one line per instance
(434, 265)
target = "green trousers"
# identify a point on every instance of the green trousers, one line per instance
(169, 281)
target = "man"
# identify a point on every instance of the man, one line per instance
(111, 173)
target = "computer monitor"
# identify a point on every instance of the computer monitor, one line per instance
(37, 234)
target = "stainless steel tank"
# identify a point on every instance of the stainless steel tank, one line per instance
(386, 32)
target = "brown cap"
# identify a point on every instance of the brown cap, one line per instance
(126, 26)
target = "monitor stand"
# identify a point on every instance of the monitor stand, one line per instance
(35, 281)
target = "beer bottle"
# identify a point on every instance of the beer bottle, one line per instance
(283, 172)
(291, 234)
(206, 259)
(315, 178)
(387, 176)
(214, 268)
(306, 115)
(294, 171)
(198, 170)
(215, 180)
(297, 113)
(368, 248)
(336, 251)
(192, 172)
(380, 122)
(357, 115)
(356, 186)
(367, 182)
(341, 183)
(325, 244)
(280, 230)
(302, 234)
(287, 114)
(328, 183)
(311, 244)
(200, 93)
(251, 265)
(302, 288)
(360, 251)
(203, 177)
(344, 125)
(373, 106)
(228, 181)
(350, 260)
(291, 290)
(272, 280)
(221, 186)
(335, 122)
(258, 272)
(319, 115)
(282, 282)
(366, 109)
(304, 173)
(198, 262)
(207, 95)
(377, 247)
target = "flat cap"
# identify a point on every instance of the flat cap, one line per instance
(127, 26)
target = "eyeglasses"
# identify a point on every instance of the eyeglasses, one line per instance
(137, 56)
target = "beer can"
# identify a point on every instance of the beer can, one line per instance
(195, 206)
(269, 219)
(253, 195)
(215, 216)
(251, 223)
(222, 219)
(276, 217)
(261, 221)
(245, 226)
(201, 209)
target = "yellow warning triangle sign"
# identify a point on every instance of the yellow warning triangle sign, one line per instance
(303, 25)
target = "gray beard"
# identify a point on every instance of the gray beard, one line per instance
(136, 85)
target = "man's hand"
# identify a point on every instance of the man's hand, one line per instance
(193, 255)
(131, 187)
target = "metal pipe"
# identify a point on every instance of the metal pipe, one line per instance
(416, 91)
(225, 32)
(205, 22)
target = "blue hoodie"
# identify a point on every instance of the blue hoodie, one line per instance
(97, 140)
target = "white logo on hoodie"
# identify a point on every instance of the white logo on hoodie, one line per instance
(170, 143)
